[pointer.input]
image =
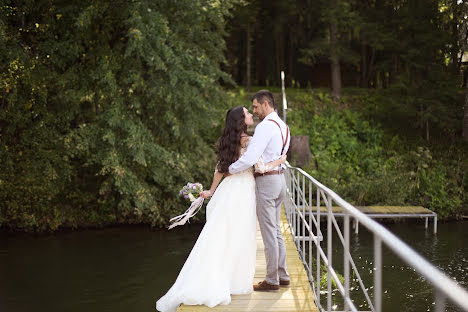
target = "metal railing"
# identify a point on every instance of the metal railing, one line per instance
(304, 193)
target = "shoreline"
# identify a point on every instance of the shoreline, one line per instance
(65, 230)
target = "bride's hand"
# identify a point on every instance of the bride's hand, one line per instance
(283, 158)
(206, 194)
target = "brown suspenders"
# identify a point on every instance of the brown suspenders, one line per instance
(282, 138)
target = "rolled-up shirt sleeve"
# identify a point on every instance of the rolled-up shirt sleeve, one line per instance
(255, 149)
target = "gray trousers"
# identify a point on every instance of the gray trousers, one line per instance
(270, 193)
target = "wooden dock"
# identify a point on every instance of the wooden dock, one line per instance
(297, 297)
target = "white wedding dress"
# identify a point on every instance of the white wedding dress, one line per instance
(222, 262)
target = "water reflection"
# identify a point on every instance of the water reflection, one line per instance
(115, 269)
(403, 288)
(128, 268)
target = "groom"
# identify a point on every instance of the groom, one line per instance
(270, 141)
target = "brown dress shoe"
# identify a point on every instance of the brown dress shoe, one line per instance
(284, 283)
(264, 286)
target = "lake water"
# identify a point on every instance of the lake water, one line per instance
(404, 289)
(129, 268)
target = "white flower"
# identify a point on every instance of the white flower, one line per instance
(192, 198)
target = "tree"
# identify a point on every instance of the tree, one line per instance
(334, 54)
(426, 89)
(465, 117)
(460, 34)
(340, 20)
(107, 108)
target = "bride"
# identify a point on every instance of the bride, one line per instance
(222, 262)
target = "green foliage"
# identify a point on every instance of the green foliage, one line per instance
(344, 145)
(366, 164)
(107, 109)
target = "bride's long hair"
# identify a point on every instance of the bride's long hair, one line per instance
(228, 146)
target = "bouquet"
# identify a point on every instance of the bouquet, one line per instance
(191, 191)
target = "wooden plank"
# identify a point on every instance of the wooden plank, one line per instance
(297, 297)
(397, 209)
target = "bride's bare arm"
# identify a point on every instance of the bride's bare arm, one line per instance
(216, 179)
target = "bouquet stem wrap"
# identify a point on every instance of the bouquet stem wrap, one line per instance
(183, 218)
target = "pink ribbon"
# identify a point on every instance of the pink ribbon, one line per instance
(183, 218)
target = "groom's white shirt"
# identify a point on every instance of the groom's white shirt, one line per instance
(266, 143)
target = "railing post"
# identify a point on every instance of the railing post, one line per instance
(298, 206)
(294, 205)
(439, 301)
(318, 248)
(377, 273)
(329, 254)
(290, 197)
(303, 217)
(288, 192)
(310, 227)
(298, 201)
(346, 260)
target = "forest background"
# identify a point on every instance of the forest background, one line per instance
(109, 108)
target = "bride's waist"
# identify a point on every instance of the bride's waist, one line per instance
(249, 171)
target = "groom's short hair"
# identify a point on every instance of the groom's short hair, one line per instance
(264, 95)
